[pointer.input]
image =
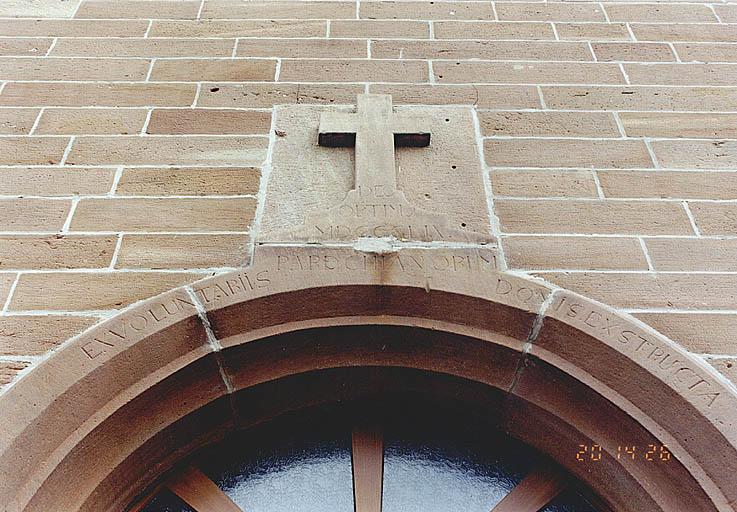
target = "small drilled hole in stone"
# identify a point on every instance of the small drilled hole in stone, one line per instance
(729, 365)
(453, 167)
(427, 196)
(463, 224)
(447, 120)
(440, 76)
(215, 89)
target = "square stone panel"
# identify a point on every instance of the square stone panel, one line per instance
(445, 178)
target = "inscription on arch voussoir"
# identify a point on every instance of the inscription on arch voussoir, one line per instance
(278, 268)
(647, 349)
(136, 324)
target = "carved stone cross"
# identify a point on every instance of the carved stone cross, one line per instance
(376, 207)
(374, 131)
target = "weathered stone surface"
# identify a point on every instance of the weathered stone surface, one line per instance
(188, 181)
(183, 251)
(702, 333)
(47, 252)
(71, 291)
(36, 335)
(55, 181)
(444, 176)
(624, 346)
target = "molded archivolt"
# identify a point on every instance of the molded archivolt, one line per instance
(103, 417)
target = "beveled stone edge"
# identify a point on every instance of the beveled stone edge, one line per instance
(185, 294)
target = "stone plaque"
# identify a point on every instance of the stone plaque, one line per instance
(336, 175)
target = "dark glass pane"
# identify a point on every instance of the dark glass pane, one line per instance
(446, 471)
(167, 501)
(294, 467)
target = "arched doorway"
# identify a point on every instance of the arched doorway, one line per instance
(128, 401)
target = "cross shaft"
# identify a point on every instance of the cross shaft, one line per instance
(374, 130)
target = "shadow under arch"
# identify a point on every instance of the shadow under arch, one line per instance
(99, 419)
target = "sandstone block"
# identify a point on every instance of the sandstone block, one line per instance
(641, 98)
(33, 214)
(709, 333)
(226, 214)
(71, 291)
(520, 11)
(694, 254)
(637, 290)
(353, 71)
(669, 184)
(494, 50)
(429, 11)
(278, 10)
(696, 154)
(186, 9)
(189, 181)
(162, 150)
(542, 183)
(690, 32)
(106, 121)
(715, 218)
(267, 95)
(73, 69)
(71, 94)
(238, 28)
(9, 370)
(303, 48)
(227, 70)
(24, 47)
(55, 181)
(726, 13)
(593, 32)
(682, 74)
(380, 29)
(203, 121)
(575, 253)
(144, 48)
(482, 96)
(633, 52)
(691, 125)
(17, 121)
(35, 150)
(55, 252)
(548, 124)
(592, 217)
(6, 281)
(613, 153)
(490, 30)
(182, 251)
(526, 72)
(73, 28)
(706, 52)
(36, 335)
(659, 13)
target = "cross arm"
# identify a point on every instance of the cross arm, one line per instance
(337, 130)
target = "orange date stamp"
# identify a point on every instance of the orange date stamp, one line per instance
(649, 453)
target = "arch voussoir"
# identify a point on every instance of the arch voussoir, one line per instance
(223, 334)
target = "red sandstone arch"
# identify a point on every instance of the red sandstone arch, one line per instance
(102, 417)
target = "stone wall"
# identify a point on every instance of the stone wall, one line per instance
(133, 135)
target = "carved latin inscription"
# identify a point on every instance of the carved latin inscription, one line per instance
(403, 261)
(648, 350)
(376, 207)
(135, 325)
